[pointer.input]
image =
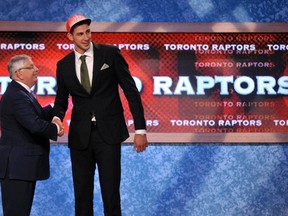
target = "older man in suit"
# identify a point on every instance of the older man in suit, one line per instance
(97, 125)
(24, 146)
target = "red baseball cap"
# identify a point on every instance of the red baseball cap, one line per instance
(76, 19)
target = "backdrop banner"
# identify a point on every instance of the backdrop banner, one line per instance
(190, 83)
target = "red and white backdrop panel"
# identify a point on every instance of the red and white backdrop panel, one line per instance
(189, 82)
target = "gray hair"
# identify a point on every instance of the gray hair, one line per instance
(16, 62)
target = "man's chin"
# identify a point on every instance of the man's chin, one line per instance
(86, 46)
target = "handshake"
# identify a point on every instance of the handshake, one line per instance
(59, 125)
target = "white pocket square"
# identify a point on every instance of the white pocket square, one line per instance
(104, 66)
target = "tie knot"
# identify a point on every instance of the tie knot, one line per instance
(83, 57)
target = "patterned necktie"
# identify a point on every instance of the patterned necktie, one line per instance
(35, 102)
(84, 74)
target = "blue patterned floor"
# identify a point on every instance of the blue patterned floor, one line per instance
(171, 180)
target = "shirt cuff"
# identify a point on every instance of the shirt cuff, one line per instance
(58, 128)
(56, 117)
(142, 131)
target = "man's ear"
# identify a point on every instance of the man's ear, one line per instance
(70, 37)
(18, 75)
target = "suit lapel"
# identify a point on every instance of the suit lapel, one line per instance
(98, 58)
(72, 70)
(36, 105)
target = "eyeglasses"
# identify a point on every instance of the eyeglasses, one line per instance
(28, 68)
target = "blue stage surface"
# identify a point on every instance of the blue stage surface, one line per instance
(192, 180)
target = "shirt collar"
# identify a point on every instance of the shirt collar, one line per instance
(24, 86)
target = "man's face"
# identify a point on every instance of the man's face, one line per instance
(81, 37)
(28, 73)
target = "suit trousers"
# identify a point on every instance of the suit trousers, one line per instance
(108, 160)
(17, 197)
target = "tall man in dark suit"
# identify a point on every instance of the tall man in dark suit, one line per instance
(97, 125)
(24, 146)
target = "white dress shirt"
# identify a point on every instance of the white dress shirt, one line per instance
(89, 62)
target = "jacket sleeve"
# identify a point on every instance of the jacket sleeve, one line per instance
(130, 90)
(31, 120)
(47, 111)
(61, 100)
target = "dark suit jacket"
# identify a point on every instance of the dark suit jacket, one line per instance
(104, 100)
(24, 145)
